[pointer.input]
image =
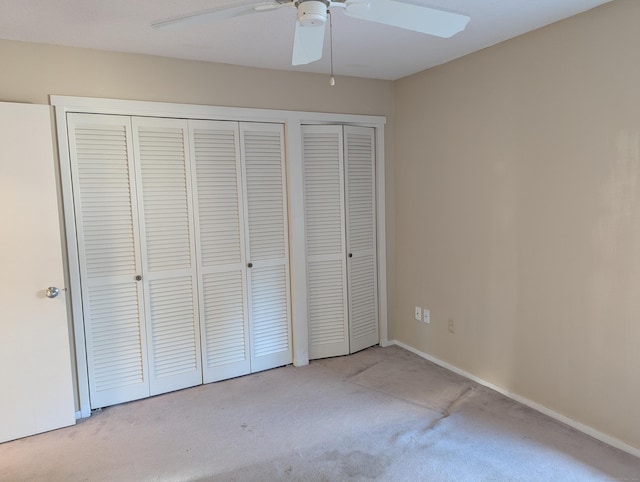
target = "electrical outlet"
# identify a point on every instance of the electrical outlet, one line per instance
(427, 316)
(418, 314)
(452, 326)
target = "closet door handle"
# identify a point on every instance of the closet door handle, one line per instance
(351, 255)
(138, 277)
(249, 265)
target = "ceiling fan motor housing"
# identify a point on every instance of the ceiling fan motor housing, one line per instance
(312, 12)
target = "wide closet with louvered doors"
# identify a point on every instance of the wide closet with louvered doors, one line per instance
(183, 254)
(340, 220)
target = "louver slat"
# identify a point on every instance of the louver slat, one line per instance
(363, 298)
(269, 311)
(95, 171)
(361, 237)
(324, 221)
(217, 183)
(106, 222)
(173, 331)
(327, 321)
(220, 241)
(165, 199)
(323, 205)
(168, 244)
(262, 147)
(224, 315)
(265, 195)
(116, 340)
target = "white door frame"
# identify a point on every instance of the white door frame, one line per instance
(292, 121)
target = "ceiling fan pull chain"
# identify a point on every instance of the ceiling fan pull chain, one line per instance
(332, 80)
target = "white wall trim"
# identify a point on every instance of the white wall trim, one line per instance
(163, 109)
(73, 266)
(297, 243)
(292, 121)
(592, 432)
(381, 241)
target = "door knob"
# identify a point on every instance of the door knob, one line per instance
(52, 292)
(351, 255)
(250, 265)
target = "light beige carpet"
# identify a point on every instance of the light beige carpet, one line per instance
(381, 414)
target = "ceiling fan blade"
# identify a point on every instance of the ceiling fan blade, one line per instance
(410, 17)
(215, 14)
(307, 44)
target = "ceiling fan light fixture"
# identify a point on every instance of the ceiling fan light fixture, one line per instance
(312, 13)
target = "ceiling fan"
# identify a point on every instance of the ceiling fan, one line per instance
(312, 15)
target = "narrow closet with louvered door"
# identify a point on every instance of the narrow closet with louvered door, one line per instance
(340, 220)
(106, 214)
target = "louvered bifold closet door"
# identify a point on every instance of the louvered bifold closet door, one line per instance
(267, 253)
(361, 236)
(168, 251)
(220, 246)
(325, 240)
(108, 250)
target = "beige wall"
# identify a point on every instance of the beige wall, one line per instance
(31, 72)
(518, 216)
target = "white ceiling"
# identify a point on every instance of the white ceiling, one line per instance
(361, 49)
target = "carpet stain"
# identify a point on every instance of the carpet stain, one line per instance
(245, 427)
(459, 400)
(362, 370)
(466, 393)
(407, 438)
(359, 464)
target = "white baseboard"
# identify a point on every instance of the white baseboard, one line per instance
(609, 440)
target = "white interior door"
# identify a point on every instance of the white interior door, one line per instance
(361, 236)
(220, 249)
(35, 374)
(104, 192)
(325, 239)
(262, 152)
(168, 252)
